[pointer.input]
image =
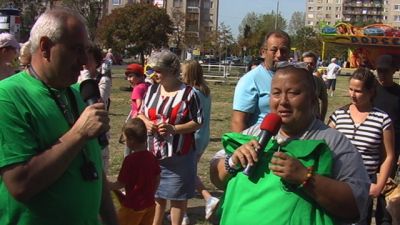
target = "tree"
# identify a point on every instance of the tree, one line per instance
(307, 39)
(257, 26)
(296, 22)
(136, 27)
(178, 21)
(91, 10)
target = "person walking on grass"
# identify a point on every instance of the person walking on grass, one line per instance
(333, 71)
(139, 176)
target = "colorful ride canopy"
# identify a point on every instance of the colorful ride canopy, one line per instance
(365, 44)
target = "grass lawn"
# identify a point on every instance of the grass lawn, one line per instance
(220, 123)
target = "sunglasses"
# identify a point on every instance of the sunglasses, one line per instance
(298, 65)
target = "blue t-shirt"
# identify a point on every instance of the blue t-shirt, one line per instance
(202, 135)
(252, 94)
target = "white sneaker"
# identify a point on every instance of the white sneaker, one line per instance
(211, 206)
(185, 220)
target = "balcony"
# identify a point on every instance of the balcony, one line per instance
(375, 4)
(191, 9)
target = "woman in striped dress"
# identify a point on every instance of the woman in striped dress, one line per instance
(369, 129)
(172, 113)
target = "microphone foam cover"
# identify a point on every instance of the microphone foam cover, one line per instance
(89, 89)
(271, 123)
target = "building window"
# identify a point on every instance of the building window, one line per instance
(319, 8)
(328, 8)
(310, 15)
(397, 7)
(116, 2)
(177, 3)
(337, 16)
(310, 8)
(397, 18)
(310, 23)
(310, 0)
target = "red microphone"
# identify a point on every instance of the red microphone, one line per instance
(269, 128)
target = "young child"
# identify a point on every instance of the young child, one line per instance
(139, 175)
(134, 74)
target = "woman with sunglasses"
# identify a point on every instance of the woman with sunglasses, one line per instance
(369, 129)
(172, 113)
(307, 174)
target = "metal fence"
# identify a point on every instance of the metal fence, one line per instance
(227, 74)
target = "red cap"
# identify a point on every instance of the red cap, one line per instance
(134, 68)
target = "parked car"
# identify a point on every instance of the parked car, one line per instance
(211, 61)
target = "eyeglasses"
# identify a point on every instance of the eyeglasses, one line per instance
(274, 50)
(298, 65)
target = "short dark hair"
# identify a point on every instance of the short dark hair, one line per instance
(97, 54)
(135, 129)
(307, 75)
(278, 33)
(309, 54)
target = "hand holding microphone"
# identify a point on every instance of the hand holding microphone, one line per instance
(96, 116)
(269, 128)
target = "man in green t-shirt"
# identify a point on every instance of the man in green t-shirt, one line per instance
(50, 158)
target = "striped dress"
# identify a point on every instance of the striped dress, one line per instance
(367, 136)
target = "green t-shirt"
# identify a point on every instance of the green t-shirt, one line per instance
(265, 198)
(30, 122)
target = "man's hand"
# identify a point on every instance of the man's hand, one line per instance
(92, 122)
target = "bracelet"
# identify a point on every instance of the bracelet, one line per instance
(309, 175)
(228, 168)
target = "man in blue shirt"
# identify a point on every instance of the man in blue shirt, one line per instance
(250, 102)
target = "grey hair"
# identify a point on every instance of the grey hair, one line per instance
(165, 60)
(51, 24)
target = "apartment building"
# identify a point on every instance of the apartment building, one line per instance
(201, 15)
(353, 11)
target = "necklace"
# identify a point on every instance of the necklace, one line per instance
(281, 139)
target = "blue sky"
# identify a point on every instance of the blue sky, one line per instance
(232, 12)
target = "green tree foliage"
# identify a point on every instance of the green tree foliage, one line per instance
(306, 39)
(219, 43)
(178, 21)
(257, 26)
(136, 27)
(297, 21)
(91, 10)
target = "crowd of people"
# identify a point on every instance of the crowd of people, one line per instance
(53, 167)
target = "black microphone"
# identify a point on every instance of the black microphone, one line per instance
(269, 128)
(90, 93)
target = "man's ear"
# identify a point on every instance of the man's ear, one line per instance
(45, 45)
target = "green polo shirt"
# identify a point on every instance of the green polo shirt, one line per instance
(30, 122)
(265, 198)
